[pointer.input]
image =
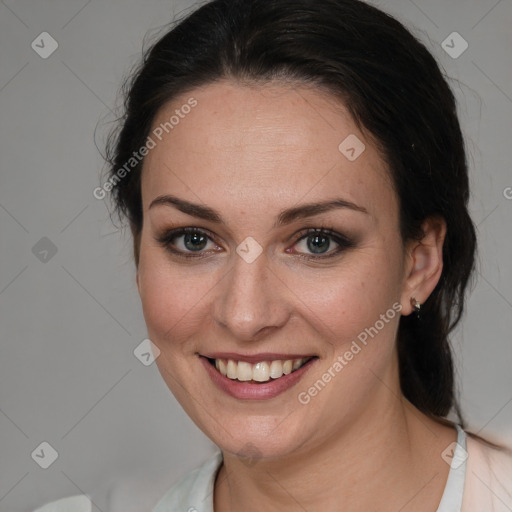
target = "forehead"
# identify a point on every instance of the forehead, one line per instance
(264, 147)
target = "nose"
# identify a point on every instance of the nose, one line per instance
(252, 301)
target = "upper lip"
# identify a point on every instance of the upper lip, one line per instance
(254, 358)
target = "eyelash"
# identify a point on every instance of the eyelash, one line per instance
(343, 242)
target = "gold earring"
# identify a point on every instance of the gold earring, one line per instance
(417, 306)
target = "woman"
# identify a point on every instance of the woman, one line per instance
(295, 180)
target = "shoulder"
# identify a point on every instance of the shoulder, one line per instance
(194, 490)
(488, 474)
(487, 457)
(81, 503)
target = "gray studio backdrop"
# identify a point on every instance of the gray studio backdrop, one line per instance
(70, 314)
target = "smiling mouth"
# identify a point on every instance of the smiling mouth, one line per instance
(263, 371)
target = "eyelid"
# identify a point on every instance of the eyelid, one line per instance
(344, 239)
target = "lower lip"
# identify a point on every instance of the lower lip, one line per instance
(250, 391)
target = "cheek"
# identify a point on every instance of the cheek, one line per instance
(172, 297)
(358, 318)
(341, 302)
(339, 299)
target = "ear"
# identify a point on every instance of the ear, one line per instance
(423, 263)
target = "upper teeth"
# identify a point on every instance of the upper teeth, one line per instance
(260, 372)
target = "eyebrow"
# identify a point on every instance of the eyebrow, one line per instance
(285, 216)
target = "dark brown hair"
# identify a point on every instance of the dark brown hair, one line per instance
(394, 90)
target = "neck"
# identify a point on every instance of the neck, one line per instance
(389, 458)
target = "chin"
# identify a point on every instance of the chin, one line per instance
(258, 437)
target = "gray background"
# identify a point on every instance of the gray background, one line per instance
(69, 325)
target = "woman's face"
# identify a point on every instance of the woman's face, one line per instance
(250, 284)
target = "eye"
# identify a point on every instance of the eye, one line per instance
(187, 241)
(191, 242)
(318, 241)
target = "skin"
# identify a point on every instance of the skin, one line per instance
(250, 152)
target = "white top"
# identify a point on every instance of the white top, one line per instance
(194, 492)
(479, 480)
